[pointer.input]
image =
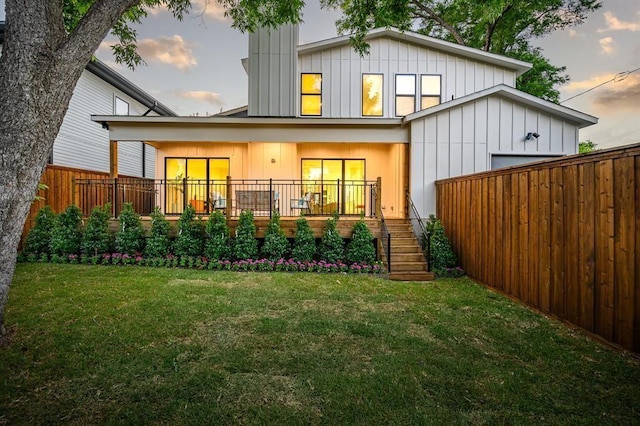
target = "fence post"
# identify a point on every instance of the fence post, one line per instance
(379, 197)
(115, 197)
(227, 209)
(270, 197)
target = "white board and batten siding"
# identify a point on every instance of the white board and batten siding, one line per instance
(478, 136)
(342, 68)
(84, 144)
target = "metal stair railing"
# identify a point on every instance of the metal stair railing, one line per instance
(420, 230)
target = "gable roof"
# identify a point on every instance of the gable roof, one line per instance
(580, 118)
(421, 40)
(108, 75)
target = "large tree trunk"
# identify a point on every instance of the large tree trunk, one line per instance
(39, 68)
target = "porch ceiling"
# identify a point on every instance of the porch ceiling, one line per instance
(187, 129)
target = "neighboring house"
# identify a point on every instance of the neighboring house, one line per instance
(83, 145)
(414, 110)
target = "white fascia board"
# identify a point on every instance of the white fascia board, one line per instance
(519, 66)
(582, 119)
(248, 121)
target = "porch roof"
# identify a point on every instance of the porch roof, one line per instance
(253, 129)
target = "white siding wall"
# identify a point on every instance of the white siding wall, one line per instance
(342, 69)
(272, 72)
(84, 144)
(461, 140)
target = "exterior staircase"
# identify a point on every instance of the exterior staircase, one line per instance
(407, 261)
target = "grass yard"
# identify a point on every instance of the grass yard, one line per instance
(139, 345)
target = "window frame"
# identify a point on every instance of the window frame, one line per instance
(414, 96)
(381, 94)
(303, 94)
(432, 96)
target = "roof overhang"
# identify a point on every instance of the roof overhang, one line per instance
(421, 40)
(253, 129)
(502, 90)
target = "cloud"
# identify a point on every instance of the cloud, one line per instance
(574, 34)
(574, 86)
(173, 51)
(623, 94)
(211, 98)
(606, 46)
(614, 24)
(209, 8)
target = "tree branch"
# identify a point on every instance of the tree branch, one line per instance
(431, 14)
(492, 28)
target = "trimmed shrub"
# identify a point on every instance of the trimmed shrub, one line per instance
(246, 246)
(158, 244)
(67, 235)
(440, 252)
(360, 248)
(217, 245)
(190, 234)
(304, 245)
(130, 235)
(97, 238)
(276, 246)
(332, 245)
(39, 238)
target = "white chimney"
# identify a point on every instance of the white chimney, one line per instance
(273, 71)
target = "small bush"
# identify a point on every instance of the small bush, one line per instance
(67, 235)
(276, 246)
(39, 238)
(440, 252)
(332, 245)
(130, 235)
(217, 245)
(97, 238)
(190, 234)
(158, 244)
(246, 246)
(361, 249)
(304, 245)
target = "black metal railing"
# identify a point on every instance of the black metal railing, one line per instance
(385, 241)
(420, 230)
(231, 196)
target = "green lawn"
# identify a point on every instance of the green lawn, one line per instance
(139, 345)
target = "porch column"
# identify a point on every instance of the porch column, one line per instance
(113, 159)
(379, 197)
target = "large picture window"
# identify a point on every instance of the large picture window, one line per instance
(311, 94)
(405, 94)
(200, 182)
(430, 90)
(372, 95)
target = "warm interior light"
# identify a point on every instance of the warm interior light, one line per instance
(372, 95)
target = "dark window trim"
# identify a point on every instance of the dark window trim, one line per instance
(422, 96)
(186, 172)
(396, 95)
(302, 94)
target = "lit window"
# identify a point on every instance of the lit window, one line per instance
(372, 95)
(405, 94)
(311, 94)
(121, 107)
(430, 91)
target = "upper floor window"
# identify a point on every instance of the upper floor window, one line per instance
(372, 95)
(311, 94)
(430, 90)
(405, 94)
(121, 107)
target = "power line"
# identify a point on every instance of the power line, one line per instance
(618, 77)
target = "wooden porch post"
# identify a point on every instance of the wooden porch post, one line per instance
(113, 174)
(379, 197)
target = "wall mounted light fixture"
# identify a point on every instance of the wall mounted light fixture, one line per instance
(531, 135)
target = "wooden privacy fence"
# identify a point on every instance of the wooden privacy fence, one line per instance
(62, 192)
(560, 235)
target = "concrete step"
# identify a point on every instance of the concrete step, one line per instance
(411, 276)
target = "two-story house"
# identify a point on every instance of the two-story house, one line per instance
(330, 122)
